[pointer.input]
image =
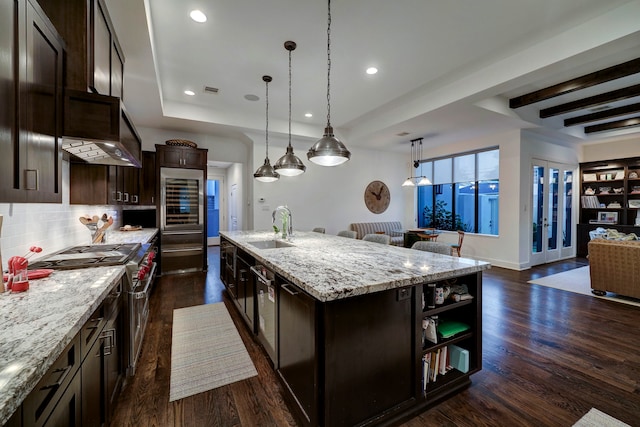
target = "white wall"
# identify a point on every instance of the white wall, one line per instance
(612, 150)
(331, 197)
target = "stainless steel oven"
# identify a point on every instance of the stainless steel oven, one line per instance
(141, 273)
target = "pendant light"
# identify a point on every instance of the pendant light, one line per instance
(266, 173)
(289, 164)
(416, 156)
(410, 181)
(328, 150)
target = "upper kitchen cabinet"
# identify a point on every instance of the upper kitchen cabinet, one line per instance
(148, 179)
(31, 78)
(95, 61)
(181, 157)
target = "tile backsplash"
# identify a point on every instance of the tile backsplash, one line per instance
(52, 226)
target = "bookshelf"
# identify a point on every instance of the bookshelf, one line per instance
(609, 198)
(461, 349)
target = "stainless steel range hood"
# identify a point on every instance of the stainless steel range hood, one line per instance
(98, 130)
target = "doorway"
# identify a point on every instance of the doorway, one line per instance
(552, 213)
(213, 212)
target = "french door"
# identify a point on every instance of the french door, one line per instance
(552, 212)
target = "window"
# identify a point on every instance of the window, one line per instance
(464, 193)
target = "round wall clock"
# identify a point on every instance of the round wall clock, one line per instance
(377, 197)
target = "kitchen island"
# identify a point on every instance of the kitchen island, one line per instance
(347, 338)
(39, 325)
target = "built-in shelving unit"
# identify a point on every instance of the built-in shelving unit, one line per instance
(440, 372)
(609, 198)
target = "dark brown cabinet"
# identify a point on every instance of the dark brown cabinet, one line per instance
(94, 58)
(115, 185)
(298, 363)
(181, 157)
(88, 184)
(55, 400)
(30, 134)
(148, 179)
(102, 368)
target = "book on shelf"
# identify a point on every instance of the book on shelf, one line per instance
(591, 202)
(439, 362)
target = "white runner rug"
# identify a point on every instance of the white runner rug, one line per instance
(596, 418)
(206, 351)
(578, 281)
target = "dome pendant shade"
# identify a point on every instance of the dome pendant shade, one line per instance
(289, 164)
(408, 183)
(266, 173)
(328, 150)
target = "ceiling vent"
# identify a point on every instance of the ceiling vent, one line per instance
(212, 90)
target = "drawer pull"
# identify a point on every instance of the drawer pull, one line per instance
(65, 371)
(289, 291)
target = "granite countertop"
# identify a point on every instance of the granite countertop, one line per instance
(330, 267)
(138, 236)
(37, 325)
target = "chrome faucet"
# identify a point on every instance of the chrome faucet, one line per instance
(289, 222)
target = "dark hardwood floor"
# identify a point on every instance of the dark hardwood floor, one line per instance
(548, 357)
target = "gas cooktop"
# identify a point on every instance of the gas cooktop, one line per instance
(87, 256)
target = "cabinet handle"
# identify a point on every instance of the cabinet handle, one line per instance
(111, 336)
(31, 179)
(242, 273)
(96, 320)
(134, 198)
(289, 291)
(65, 371)
(118, 196)
(126, 197)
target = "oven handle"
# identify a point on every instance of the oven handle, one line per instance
(191, 249)
(143, 293)
(178, 232)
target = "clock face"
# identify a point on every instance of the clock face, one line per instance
(377, 197)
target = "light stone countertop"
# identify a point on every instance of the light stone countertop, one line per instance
(330, 267)
(37, 325)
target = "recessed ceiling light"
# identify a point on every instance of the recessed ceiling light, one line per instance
(308, 115)
(189, 92)
(372, 70)
(198, 16)
(251, 97)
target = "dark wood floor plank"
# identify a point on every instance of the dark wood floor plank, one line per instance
(548, 357)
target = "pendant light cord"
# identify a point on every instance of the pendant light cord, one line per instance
(289, 98)
(267, 127)
(329, 64)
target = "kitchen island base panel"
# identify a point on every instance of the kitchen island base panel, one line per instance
(357, 360)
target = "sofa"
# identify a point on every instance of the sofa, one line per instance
(391, 228)
(614, 266)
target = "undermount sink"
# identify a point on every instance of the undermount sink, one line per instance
(271, 244)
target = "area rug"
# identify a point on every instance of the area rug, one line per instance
(596, 418)
(206, 351)
(578, 281)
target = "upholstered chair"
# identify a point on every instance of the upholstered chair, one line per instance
(385, 239)
(348, 233)
(429, 246)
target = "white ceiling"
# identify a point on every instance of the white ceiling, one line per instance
(446, 68)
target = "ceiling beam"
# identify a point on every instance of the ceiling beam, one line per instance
(588, 80)
(619, 124)
(604, 114)
(592, 101)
